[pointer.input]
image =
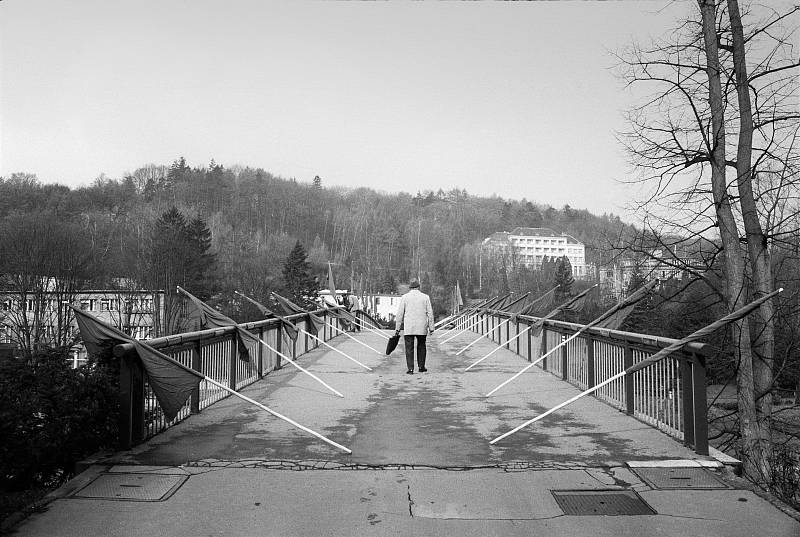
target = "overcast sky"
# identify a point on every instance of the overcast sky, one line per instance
(516, 99)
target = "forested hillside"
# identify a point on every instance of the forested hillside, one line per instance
(253, 219)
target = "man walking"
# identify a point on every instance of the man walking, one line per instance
(415, 318)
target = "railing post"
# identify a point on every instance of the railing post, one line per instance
(530, 339)
(260, 353)
(700, 413)
(590, 377)
(278, 345)
(131, 403)
(197, 365)
(543, 346)
(628, 379)
(232, 362)
(687, 400)
(516, 334)
(125, 404)
(564, 358)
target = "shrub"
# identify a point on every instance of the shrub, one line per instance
(52, 416)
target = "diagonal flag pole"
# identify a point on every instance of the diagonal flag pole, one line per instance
(466, 313)
(354, 339)
(635, 297)
(663, 353)
(301, 368)
(488, 333)
(208, 379)
(279, 353)
(356, 320)
(474, 324)
(513, 338)
(474, 341)
(551, 314)
(363, 325)
(472, 314)
(276, 414)
(306, 332)
(498, 348)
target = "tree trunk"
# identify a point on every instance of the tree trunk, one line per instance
(764, 342)
(752, 453)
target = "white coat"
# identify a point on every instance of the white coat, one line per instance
(414, 314)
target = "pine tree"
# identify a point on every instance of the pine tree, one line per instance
(317, 182)
(201, 263)
(301, 286)
(563, 278)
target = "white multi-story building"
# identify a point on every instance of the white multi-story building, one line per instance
(530, 245)
(43, 318)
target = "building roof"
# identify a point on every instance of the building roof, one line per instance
(499, 236)
(534, 232)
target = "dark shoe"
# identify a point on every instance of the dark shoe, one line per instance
(422, 370)
(410, 372)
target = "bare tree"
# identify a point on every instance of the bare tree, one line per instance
(43, 264)
(718, 88)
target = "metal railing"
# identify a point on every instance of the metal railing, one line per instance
(669, 395)
(214, 353)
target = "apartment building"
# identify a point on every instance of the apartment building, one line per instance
(44, 318)
(530, 245)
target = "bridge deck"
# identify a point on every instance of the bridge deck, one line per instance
(439, 418)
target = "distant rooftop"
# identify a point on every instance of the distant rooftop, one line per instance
(534, 232)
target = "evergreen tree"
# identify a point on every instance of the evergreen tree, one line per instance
(201, 263)
(301, 286)
(563, 278)
(317, 182)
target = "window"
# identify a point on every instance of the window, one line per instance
(108, 304)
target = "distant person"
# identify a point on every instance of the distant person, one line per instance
(353, 306)
(415, 318)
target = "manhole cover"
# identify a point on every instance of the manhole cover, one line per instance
(601, 502)
(680, 478)
(132, 487)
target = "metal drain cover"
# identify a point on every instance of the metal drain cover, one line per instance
(601, 502)
(132, 487)
(680, 478)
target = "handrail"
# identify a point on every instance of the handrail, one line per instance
(669, 395)
(196, 335)
(660, 342)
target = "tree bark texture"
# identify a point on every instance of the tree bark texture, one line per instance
(763, 329)
(752, 452)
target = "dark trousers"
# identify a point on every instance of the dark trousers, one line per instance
(422, 351)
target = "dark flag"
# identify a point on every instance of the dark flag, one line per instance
(290, 308)
(512, 306)
(207, 317)
(613, 318)
(578, 301)
(331, 285)
(540, 303)
(703, 332)
(171, 381)
(287, 325)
